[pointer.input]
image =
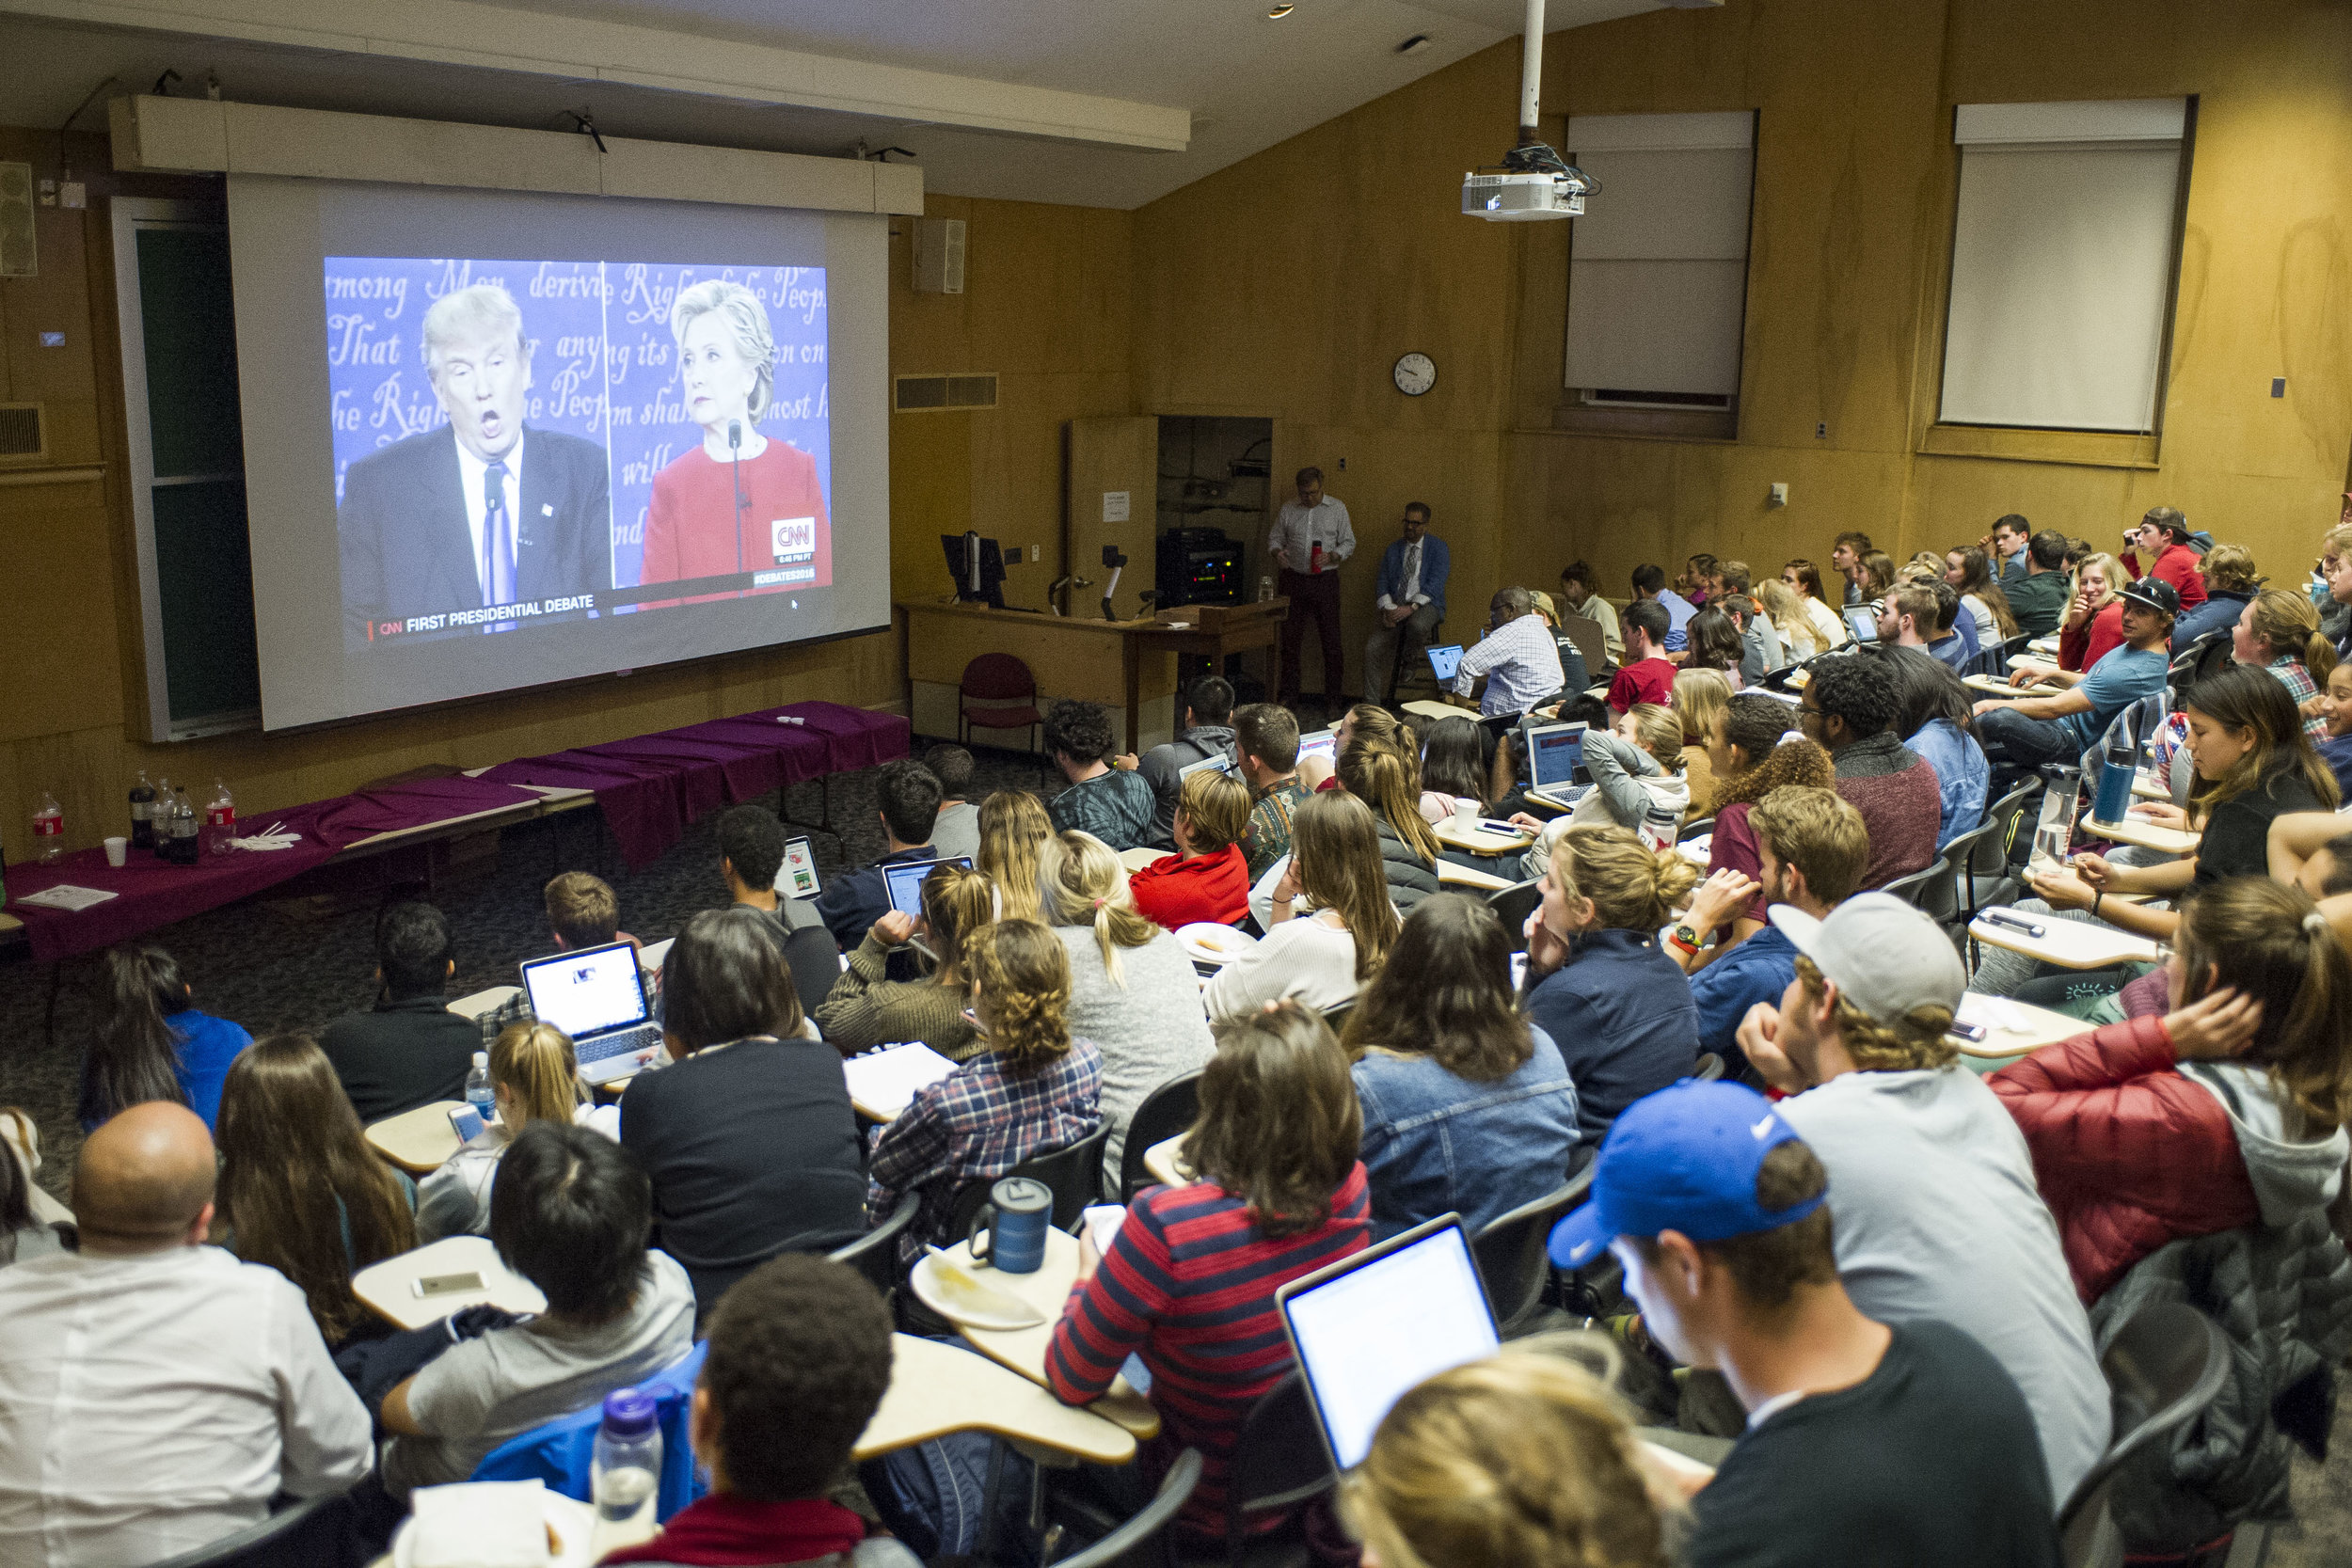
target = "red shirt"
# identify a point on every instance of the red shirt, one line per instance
(1651, 680)
(2085, 645)
(687, 533)
(1173, 891)
(2177, 565)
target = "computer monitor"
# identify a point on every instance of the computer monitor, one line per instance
(904, 881)
(1323, 743)
(1554, 751)
(1446, 662)
(798, 878)
(978, 566)
(1368, 1328)
(1863, 622)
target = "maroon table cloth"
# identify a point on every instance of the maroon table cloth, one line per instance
(152, 893)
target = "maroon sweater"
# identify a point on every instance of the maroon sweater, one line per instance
(1896, 790)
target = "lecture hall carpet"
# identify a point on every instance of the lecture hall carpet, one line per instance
(270, 970)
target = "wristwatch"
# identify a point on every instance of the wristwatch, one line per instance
(1685, 938)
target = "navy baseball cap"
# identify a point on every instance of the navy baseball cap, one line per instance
(2155, 594)
(1683, 1159)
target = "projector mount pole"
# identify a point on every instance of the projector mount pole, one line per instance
(1531, 73)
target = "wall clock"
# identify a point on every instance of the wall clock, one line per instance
(1415, 374)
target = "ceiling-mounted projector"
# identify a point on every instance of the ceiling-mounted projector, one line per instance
(1532, 182)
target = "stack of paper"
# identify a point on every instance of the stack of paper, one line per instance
(883, 1082)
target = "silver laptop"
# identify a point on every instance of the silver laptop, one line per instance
(597, 996)
(1371, 1326)
(1554, 751)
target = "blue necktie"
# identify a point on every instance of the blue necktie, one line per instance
(497, 538)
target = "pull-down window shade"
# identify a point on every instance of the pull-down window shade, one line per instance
(1658, 268)
(2062, 262)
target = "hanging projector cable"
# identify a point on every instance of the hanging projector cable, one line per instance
(1534, 182)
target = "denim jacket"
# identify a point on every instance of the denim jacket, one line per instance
(1435, 1142)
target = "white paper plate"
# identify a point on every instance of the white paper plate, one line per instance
(956, 1307)
(1208, 942)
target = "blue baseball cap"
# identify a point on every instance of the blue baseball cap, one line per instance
(1683, 1159)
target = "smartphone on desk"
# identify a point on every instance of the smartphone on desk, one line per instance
(445, 1284)
(1973, 1033)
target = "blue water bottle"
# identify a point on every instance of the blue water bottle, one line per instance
(2115, 778)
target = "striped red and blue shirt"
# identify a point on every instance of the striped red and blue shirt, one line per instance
(1189, 1284)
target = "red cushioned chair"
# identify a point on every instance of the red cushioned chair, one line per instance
(992, 684)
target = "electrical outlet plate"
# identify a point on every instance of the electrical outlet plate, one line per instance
(1780, 495)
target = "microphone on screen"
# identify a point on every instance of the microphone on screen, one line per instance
(735, 435)
(735, 446)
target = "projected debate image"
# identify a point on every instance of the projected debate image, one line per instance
(521, 444)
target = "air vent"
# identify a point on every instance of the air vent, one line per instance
(929, 394)
(18, 257)
(23, 435)
(1617, 397)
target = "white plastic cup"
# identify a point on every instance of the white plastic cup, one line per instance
(118, 852)
(1465, 812)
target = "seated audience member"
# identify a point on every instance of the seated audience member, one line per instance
(1850, 559)
(2007, 549)
(1517, 656)
(796, 1364)
(1970, 575)
(2253, 765)
(748, 1136)
(1188, 1284)
(1649, 587)
(2094, 615)
(1932, 1190)
(2037, 730)
(1466, 1106)
(1363, 721)
(2279, 631)
(570, 1214)
(1323, 957)
(1575, 674)
(1699, 695)
(155, 1393)
(1812, 848)
(410, 1050)
(584, 911)
(1579, 596)
(2335, 715)
(2036, 597)
(1803, 578)
(1753, 753)
(1713, 644)
(1207, 879)
(1522, 1460)
(1907, 619)
(1953, 641)
(535, 1076)
(1718, 1213)
(2162, 539)
(1014, 827)
(957, 828)
(1849, 708)
(1618, 1008)
(751, 852)
(1648, 675)
(150, 1043)
(2231, 580)
(1934, 717)
(1638, 783)
(1035, 1089)
(1761, 651)
(1784, 609)
(25, 1233)
(300, 1189)
(908, 798)
(866, 1007)
(1112, 803)
(1132, 988)
(2226, 1112)
(1453, 768)
(1206, 733)
(1387, 781)
(1266, 739)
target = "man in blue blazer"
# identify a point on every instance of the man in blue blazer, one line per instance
(481, 510)
(1412, 602)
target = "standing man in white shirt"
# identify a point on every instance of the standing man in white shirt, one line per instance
(155, 1393)
(1518, 658)
(1309, 541)
(1413, 601)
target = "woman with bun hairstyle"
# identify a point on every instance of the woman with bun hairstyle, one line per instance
(2227, 1111)
(1618, 1008)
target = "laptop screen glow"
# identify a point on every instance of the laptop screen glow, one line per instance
(1553, 754)
(584, 993)
(1323, 743)
(1446, 662)
(905, 881)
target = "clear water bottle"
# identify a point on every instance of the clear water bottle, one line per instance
(479, 1094)
(49, 828)
(220, 820)
(143, 814)
(625, 1473)
(180, 844)
(1265, 589)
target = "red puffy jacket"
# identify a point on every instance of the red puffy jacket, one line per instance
(2130, 1154)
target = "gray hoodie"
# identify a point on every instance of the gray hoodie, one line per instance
(2293, 1173)
(1630, 789)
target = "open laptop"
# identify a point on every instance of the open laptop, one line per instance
(1446, 662)
(1221, 763)
(1370, 1327)
(1323, 743)
(1862, 620)
(1554, 751)
(597, 996)
(905, 880)
(797, 877)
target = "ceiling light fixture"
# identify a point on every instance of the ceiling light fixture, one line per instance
(1278, 13)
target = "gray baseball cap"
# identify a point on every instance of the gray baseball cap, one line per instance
(1887, 956)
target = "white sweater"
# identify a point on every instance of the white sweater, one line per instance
(1306, 959)
(1150, 1030)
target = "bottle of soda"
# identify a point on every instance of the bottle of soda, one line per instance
(220, 819)
(49, 828)
(159, 816)
(625, 1471)
(180, 844)
(142, 814)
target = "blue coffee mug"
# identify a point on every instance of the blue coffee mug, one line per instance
(1013, 1222)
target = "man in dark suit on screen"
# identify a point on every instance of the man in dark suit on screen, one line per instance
(480, 512)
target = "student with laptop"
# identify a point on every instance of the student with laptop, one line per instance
(1638, 783)
(866, 1007)
(582, 912)
(908, 798)
(598, 998)
(409, 1050)
(1517, 657)
(1190, 1281)
(752, 849)
(1866, 1442)
(748, 1138)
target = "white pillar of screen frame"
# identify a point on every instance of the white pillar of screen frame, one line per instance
(1658, 266)
(2062, 260)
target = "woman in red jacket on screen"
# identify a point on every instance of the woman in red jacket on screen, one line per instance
(739, 502)
(2227, 1111)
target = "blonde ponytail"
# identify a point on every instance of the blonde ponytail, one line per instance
(1080, 882)
(536, 1063)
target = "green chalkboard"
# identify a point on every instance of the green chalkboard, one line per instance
(203, 565)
